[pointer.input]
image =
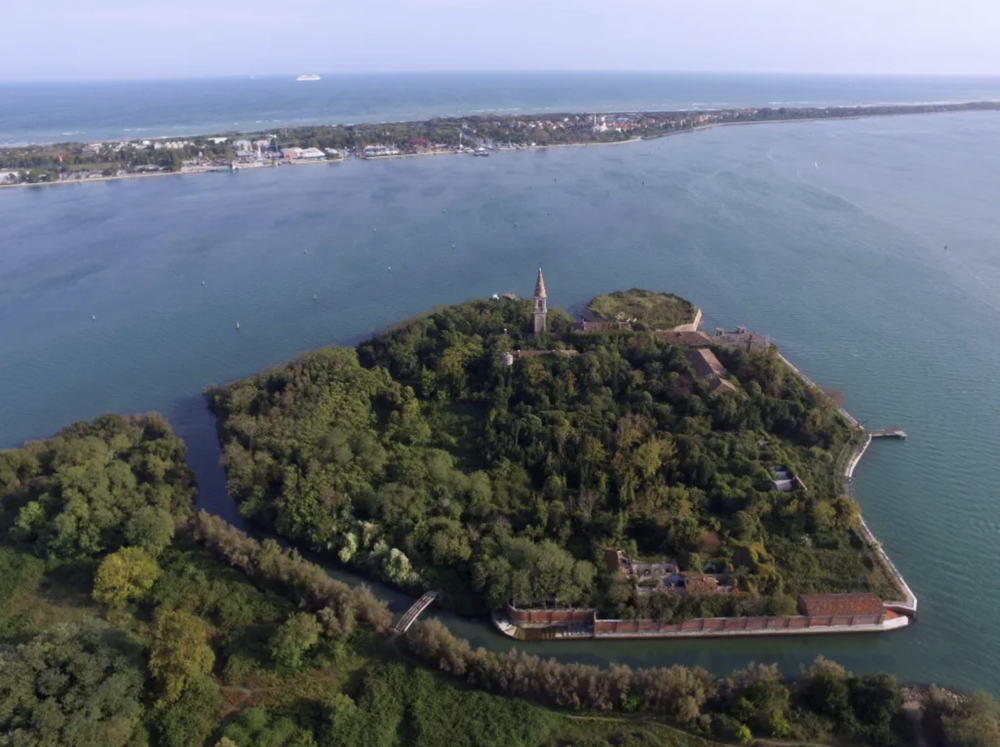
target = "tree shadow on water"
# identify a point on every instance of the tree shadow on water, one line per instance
(192, 421)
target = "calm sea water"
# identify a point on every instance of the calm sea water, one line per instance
(60, 112)
(829, 236)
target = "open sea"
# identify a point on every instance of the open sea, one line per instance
(129, 110)
(828, 236)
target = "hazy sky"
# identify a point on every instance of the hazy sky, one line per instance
(74, 39)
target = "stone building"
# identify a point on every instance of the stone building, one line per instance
(541, 305)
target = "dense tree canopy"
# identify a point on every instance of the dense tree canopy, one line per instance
(91, 488)
(73, 687)
(421, 458)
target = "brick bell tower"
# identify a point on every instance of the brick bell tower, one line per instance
(541, 305)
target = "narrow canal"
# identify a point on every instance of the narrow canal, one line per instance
(859, 652)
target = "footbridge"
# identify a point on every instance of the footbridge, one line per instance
(414, 612)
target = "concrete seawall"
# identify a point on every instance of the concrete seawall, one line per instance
(692, 327)
(580, 623)
(908, 605)
(748, 626)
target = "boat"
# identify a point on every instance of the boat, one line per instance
(308, 77)
(481, 152)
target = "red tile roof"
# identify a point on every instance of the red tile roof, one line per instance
(595, 325)
(821, 605)
(705, 363)
(682, 338)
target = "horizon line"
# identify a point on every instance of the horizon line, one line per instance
(595, 71)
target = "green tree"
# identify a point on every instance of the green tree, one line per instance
(969, 722)
(255, 726)
(179, 652)
(72, 687)
(299, 633)
(124, 576)
(876, 700)
(528, 573)
(781, 605)
(20, 576)
(192, 717)
(823, 689)
(150, 528)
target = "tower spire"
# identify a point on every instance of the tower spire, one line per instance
(541, 305)
(540, 285)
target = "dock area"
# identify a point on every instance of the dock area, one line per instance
(888, 433)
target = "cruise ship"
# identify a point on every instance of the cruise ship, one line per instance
(308, 77)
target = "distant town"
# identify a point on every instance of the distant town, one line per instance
(473, 135)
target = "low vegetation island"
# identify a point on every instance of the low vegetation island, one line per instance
(646, 310)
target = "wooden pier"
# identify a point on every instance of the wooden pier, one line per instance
(888, 433)
(414, 612)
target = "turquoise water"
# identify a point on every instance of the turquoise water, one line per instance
(828, 236)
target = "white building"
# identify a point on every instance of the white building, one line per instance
(312, 153)
(374, 151)
(291, 152)
(171, 144)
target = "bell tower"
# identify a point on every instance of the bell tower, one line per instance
(541, 305)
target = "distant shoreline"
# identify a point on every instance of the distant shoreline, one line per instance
(834, 114)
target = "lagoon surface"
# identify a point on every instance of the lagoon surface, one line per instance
(829, 236)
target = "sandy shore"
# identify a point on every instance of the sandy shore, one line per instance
(630, 141)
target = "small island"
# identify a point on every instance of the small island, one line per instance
(561, 475)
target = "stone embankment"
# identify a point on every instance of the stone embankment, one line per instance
(692, 327)
(567, 624)
(908, 605)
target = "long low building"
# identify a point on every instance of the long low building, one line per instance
(821, 605)
(710, 368)
(818, 614)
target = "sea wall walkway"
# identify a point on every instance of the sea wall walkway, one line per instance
(908, 605)
(709, 627)
(571, 624)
